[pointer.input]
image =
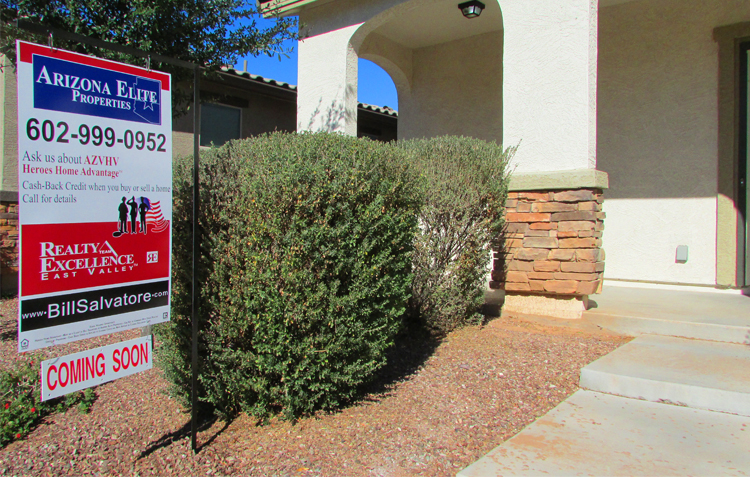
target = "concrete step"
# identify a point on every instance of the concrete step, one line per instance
(699, 374)
(599, 434)
(707, 316)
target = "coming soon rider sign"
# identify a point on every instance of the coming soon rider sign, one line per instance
(95, 178)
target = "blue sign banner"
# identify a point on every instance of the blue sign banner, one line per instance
(80, 89)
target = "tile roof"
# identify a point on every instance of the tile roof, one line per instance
(292, 87)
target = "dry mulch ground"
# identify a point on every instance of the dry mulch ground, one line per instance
(436, 408)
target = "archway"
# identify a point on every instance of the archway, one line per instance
(448, 72)
(377, 97)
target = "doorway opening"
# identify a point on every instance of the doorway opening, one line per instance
(744, 152)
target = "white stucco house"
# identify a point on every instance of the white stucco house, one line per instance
(636, 111)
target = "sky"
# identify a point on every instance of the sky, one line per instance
(375, 86)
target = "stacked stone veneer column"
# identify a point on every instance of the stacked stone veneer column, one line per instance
(9, 246)
(552, 244)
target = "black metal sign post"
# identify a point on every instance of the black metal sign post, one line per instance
(196, 254)
(65, 35)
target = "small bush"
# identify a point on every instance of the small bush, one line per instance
(21, 408)
(465, 185)
(306, 271)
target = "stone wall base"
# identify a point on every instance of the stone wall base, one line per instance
(8, 247)
(566, 307)
(551, 244)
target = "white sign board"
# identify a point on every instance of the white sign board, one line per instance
(75, 372)
(95, 196)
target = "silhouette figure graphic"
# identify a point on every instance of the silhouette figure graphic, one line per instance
(133, 212)
(143, 208)
(122, 223)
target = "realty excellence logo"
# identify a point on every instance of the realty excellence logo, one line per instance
(66, 261)
(65, 86)
(77, 256)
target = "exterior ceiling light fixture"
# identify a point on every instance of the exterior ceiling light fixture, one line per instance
(471, 9)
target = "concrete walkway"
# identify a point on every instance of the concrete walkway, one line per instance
(659, 405)
(706, 315)
(598, 434)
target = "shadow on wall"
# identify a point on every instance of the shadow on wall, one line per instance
(335, 116)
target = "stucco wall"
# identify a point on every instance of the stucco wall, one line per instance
(657, 135)
(544, 88)
(456, 89)
(549, 83)
(327, 89)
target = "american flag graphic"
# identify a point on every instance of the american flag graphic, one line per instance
(154, 217)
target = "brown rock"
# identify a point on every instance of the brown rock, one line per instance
(552, 207)
(523, 207)
(539, 233)
(512, 195)
(588, 288)
(540, 196)
(574, 216)
(560, 254)
(568, 234)
(543, 226)
(541, 276)
(536, 285)
(515, 276)
(531, 254)
(590, 255)
(519, 217)
(585, 233)
(514, 243)
(546, 266)
(511, 203)
(561, 286)
(574, 196)
(518, 227)
(599, 267)
(517, 287)
(582, 277)
(521, 266)
(540, 242)
(595, 206)
(579, 267)
(578, 243)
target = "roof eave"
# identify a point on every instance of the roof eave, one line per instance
(283, 8)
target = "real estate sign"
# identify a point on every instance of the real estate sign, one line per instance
(90, 368)
(95, 197)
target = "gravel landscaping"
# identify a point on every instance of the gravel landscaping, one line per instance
(436, 408)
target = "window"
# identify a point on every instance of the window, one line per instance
(219, 124)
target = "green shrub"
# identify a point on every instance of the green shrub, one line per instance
(465, 184)
(306, 271)
(21, 408)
